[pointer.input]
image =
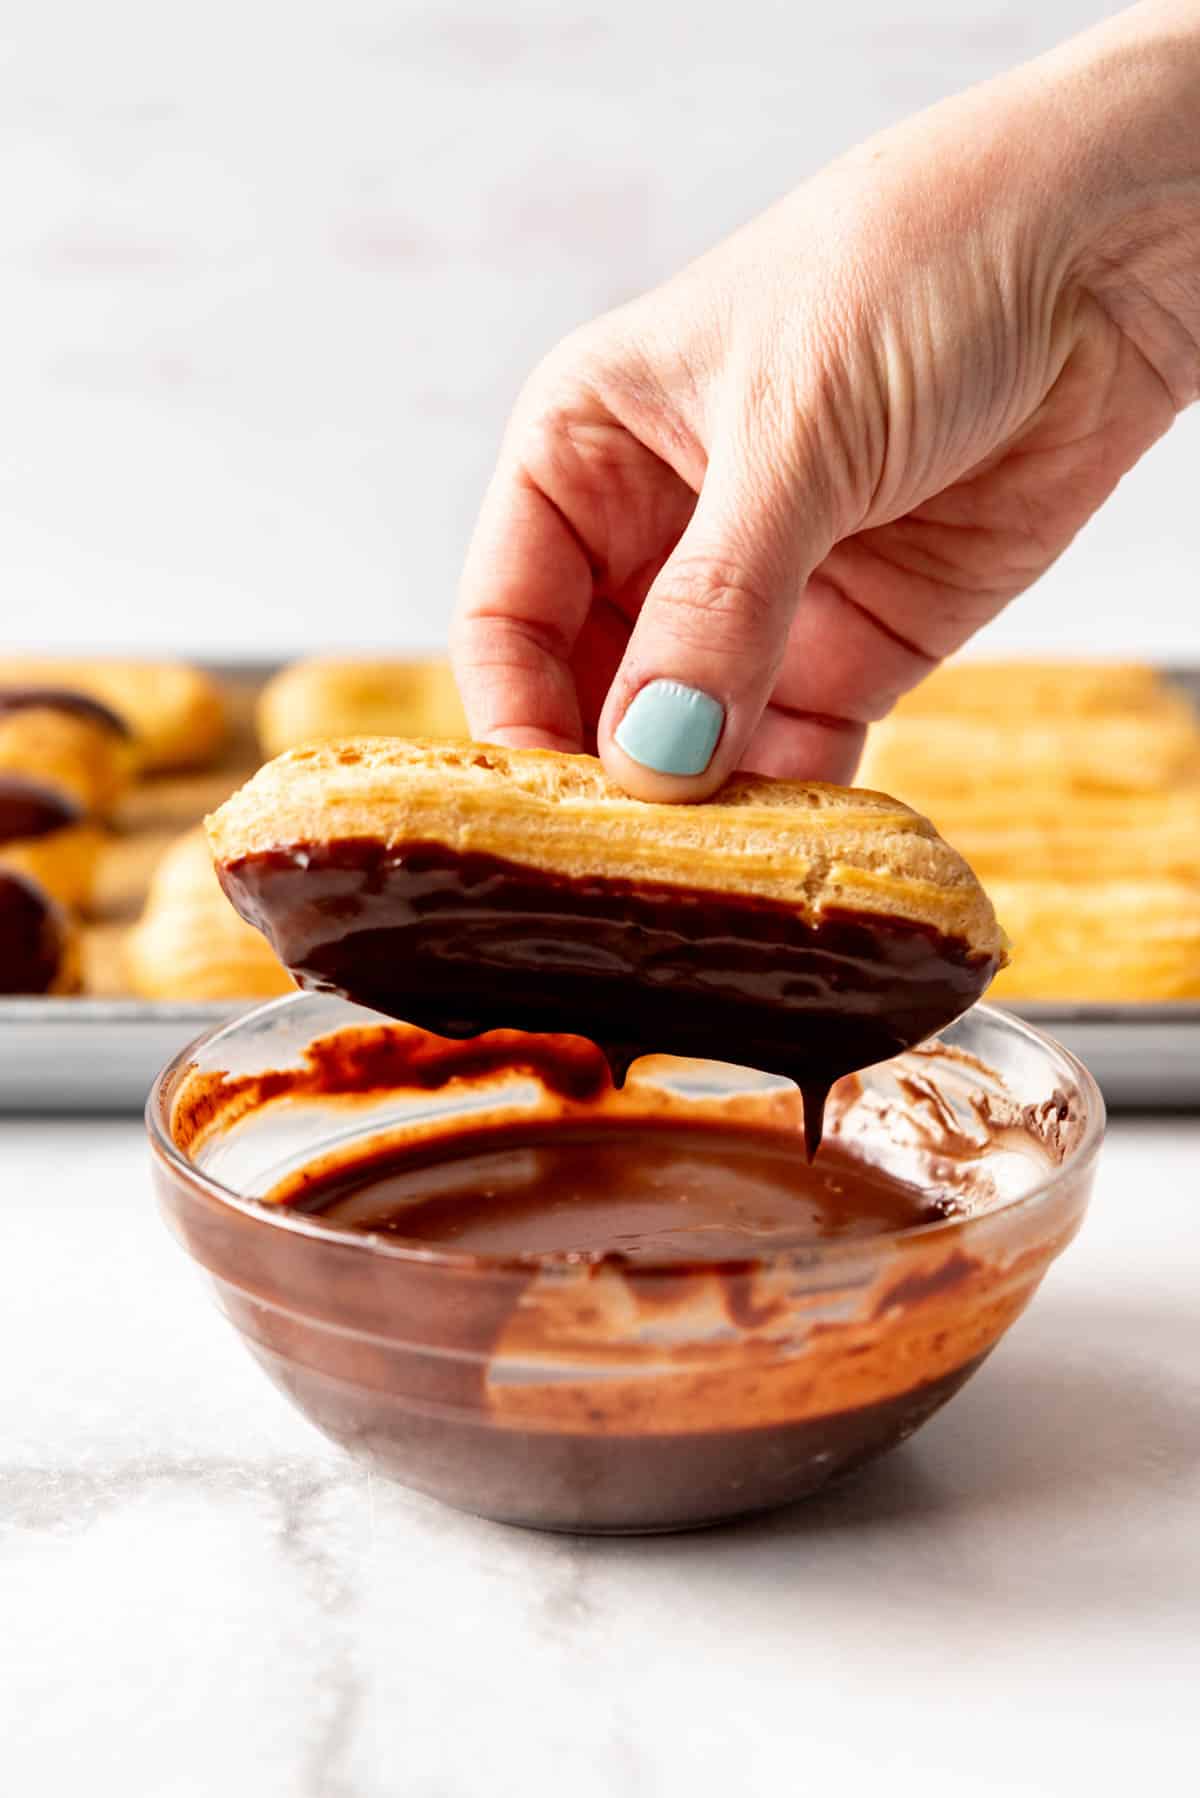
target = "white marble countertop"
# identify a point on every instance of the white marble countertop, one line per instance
(199, 1596)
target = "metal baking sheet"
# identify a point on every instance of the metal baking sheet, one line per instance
(1145, 1057)
(101, 1055)
(91, 1055)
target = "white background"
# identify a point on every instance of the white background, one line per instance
(271, 273)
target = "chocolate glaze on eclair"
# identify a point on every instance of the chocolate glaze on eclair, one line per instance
(35, 940)
(63, 699)
(28, 809)
(800, 929)
(463, 944)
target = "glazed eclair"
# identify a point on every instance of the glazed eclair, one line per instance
(175, 712)
(801, 929)
(65, 760)
(67, 741)
(39, 946)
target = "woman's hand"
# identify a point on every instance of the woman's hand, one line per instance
(733, 521)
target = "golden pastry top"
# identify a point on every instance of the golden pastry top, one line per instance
(816, 848)
(1115, 752)
(1024, 688)
(324, 698)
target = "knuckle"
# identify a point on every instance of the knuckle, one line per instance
(713, 602)
(564, 376)
(562, 433)
(495, 640)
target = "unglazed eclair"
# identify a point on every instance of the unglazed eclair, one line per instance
(802, 929)
(190, 943)
(1132, 940)
(1021, 689)
(1130, 752)
(1036, 731)
(1093, 838)
(39, 945)
(1074, 789)
(324, 699)
(175, 712)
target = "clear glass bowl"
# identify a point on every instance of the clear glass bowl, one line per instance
(639, 1396)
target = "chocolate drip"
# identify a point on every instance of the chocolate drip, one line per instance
(63, 699)
(464, 943)
(32, 937)
(28, 809)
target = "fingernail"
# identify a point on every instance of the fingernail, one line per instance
(671, 728)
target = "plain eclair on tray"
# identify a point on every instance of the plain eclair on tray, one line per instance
(794, 927)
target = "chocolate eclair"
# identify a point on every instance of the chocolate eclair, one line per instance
(175, 712)
(39, 948)
(65, 760)
(801, 929)
(68, 743)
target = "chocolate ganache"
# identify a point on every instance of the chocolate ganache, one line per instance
(63, 699)
(32, 937)
(30, 809)
(462, 943)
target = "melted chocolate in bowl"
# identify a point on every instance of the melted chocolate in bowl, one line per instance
(465, 943)
(639, 1192)
(603, 1309)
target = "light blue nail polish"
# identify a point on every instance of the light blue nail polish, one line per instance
(671, 728)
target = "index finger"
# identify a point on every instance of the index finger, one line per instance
(526, 589)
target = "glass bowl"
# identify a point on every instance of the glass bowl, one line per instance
(622, 1396)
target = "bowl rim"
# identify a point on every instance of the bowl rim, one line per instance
(569, 1265)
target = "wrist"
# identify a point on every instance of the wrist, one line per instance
(1131, 97)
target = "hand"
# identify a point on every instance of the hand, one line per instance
(733, 521)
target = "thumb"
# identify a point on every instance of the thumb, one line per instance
(710, 638)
